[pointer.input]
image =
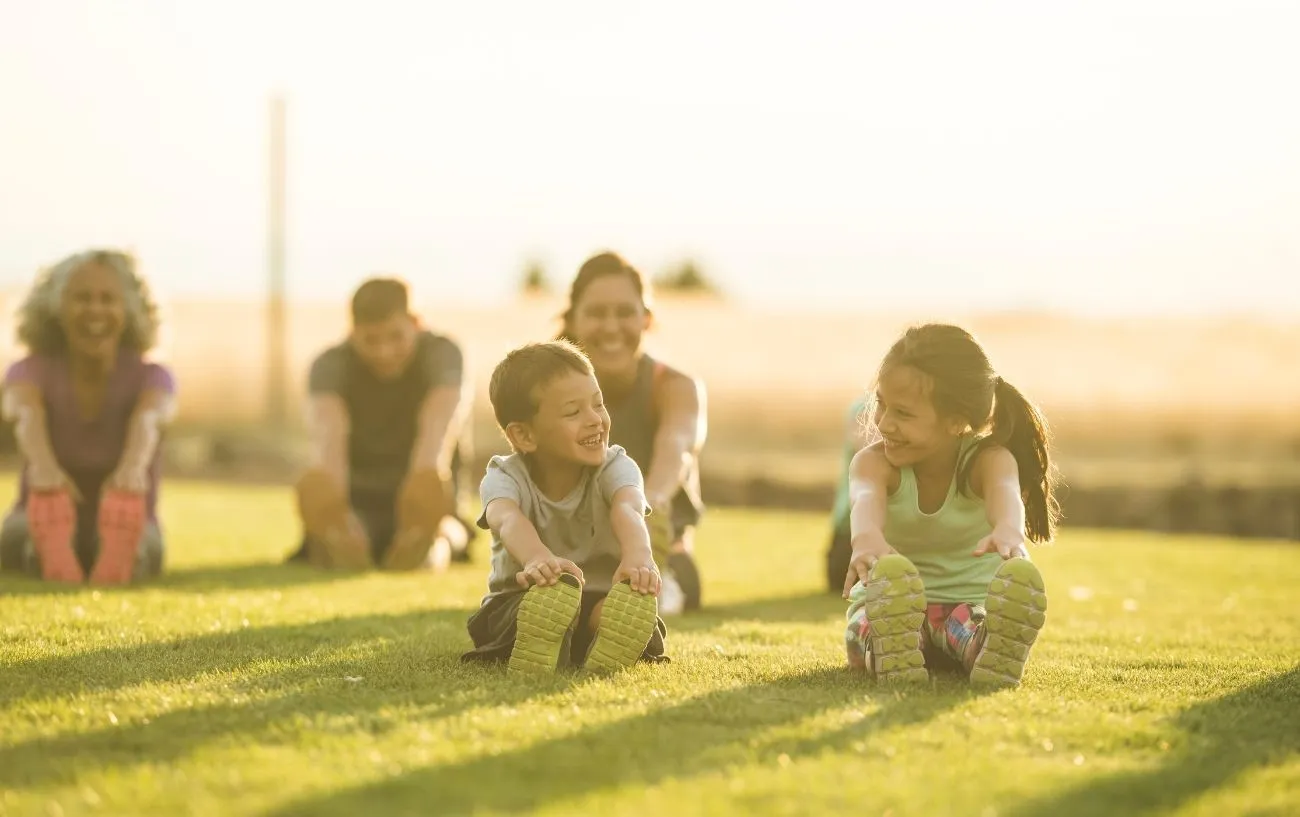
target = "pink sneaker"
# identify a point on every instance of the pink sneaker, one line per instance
(52, 521)
(121, 524)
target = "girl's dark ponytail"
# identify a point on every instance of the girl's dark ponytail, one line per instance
(1020, 427)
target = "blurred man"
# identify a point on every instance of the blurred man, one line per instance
(385, 412)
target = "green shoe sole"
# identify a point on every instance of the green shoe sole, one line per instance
(1016, 610)
(546, 615)
(627, 621)
(896, 609)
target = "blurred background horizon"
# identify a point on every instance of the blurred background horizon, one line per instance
(1107, 193)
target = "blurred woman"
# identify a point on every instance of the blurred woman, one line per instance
(89, 413)
(657, 413)
(840, 550)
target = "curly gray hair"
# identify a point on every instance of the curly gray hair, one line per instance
(39, 328)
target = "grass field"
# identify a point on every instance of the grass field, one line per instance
(1167, 681)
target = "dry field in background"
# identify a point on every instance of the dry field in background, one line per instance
(1130, 399)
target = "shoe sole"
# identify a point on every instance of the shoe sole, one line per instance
(121, 525)
(1016, 610)
(627, 622)
(51, 524)
(546, 615)
(896, 610)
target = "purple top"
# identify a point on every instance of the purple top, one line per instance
(89, 450)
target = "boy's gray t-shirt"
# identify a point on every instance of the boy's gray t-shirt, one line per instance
(576, 528)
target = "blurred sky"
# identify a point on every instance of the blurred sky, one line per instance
(1091, 156)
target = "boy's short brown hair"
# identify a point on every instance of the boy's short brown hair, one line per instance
(379, 299)
(515, 380)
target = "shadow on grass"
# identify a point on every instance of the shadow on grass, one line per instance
(806, 608)
(353, 676)
(705, 733)
(1254, 727)
(232, 651)
(250, 576)
(253, 576)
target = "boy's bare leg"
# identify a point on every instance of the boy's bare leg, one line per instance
(335, 537)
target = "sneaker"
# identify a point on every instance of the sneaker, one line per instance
(544, 626)
(672, 601)
(1016, 611)
(52, 521)
(459, 535)
(627, 622)
(687, 575)
(895, 607)
(120, 526)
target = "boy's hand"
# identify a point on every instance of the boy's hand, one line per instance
(641, 573)
(545, 571)
(867, 550)
(1006, 543)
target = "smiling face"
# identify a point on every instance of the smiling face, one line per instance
(386, 346)
(608, 322)
(570, 425)
(905, 415)
(92, 311)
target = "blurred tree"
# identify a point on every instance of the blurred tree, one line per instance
(686, 278)
(535, 281)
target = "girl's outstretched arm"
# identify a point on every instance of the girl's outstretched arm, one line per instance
(870, 475)
(996, 479)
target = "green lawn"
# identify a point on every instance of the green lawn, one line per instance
(1167, 681)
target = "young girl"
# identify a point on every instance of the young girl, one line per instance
(942, 506)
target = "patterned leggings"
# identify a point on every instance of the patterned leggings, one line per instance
(953, 631)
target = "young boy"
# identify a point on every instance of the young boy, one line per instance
(573, 580)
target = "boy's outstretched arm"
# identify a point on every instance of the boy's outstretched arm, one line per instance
(869, 476)
(627, 517)
(996, 478)
(520, 539)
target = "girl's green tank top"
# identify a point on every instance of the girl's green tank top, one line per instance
(940, 543)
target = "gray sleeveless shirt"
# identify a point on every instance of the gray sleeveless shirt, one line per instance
(633, 425)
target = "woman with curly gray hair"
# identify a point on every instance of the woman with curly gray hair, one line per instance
(89, 412)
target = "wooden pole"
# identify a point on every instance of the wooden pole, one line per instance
(277, 340)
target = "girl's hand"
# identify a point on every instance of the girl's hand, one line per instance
(1009, 544)
(867, 550)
